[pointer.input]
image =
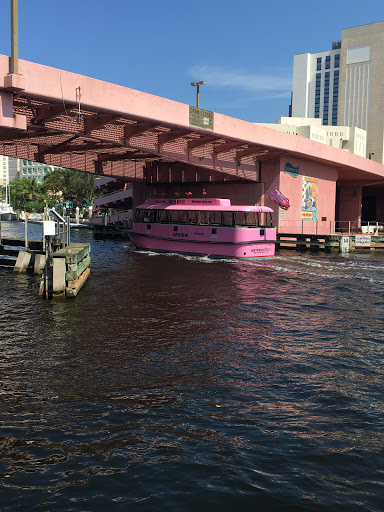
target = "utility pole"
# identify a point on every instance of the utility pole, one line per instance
(14, 38)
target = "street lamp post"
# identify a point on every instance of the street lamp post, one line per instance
(197, 84)
(14, 38)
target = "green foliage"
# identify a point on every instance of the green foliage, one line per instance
(75, 186)
(27, 194)
(60, 185)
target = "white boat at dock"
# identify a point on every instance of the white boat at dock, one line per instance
(6, 211)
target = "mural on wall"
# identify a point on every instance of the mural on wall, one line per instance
(309, 197)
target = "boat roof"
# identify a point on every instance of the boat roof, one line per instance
(213, 204)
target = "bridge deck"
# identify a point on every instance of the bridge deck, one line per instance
(73, 121)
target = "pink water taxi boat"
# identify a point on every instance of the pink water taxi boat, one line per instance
(204, 227)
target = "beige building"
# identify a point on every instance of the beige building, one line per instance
(353, 140)
(343, 87)
(361, 97)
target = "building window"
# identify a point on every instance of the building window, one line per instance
(337, 60)
(328, 62)
(318, 64)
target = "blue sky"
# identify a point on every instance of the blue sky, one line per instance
(243, 49)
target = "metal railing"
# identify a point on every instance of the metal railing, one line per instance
(333, 227)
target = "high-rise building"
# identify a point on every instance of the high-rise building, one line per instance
(4, 176)
(11, 168)
(33, 170)
(343, 86)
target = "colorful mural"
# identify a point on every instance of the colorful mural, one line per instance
(309, 197)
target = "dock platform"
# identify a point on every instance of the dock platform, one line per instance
(330, 243)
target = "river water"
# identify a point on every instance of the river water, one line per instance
(176, 384)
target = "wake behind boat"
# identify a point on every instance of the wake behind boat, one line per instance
(204, 227)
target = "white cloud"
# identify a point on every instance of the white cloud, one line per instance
(251, 82)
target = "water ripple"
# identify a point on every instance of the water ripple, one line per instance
(172, 383)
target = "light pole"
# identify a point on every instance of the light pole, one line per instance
(14, 38)
(197, 84)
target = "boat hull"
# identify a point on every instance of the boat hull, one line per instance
(8, 216)
(247, 250)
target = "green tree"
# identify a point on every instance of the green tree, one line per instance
(76, 186)
(25, 192)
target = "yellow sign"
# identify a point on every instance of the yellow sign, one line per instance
(200, 118)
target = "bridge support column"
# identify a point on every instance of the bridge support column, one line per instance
(7, 118)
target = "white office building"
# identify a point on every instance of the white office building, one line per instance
(343, 86)
(12, 168)
(4, 178)
(316, 85)
(349, 139)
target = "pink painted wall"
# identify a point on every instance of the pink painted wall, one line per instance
(291, 221)
(349, 207)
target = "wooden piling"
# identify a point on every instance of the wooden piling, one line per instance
(74, 268)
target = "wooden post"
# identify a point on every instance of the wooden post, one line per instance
(26, 231)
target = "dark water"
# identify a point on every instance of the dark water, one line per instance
(179, 384)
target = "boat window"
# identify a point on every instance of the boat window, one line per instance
(174, 216)
(163, 216)
(265, 219)
(149, 215)
(246, 219)
(215, 218)
(227, 218)
(204, 218)
(144, 215)
(183, 217)
(192, 217)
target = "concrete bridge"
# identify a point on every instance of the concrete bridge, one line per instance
(73, 121)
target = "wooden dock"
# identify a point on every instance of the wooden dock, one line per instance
(304, 242)
(70, 269)
(329, 243)
(11, 247)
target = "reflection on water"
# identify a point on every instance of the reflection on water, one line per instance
(172, 383)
